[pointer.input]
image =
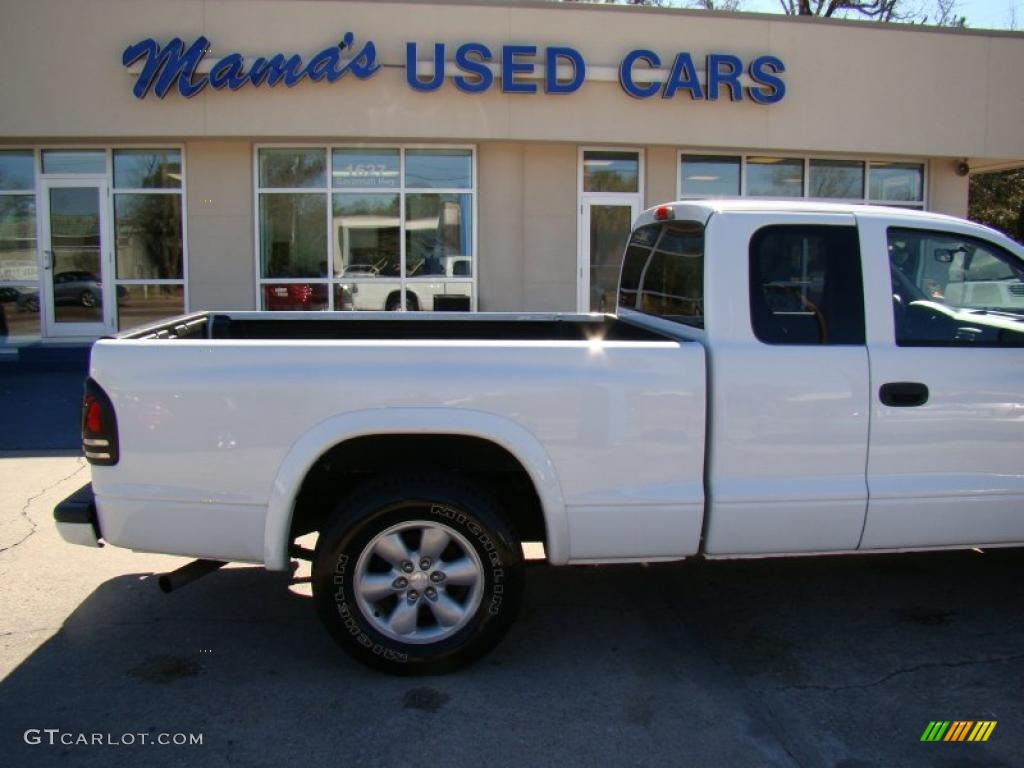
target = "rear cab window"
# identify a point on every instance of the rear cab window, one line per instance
(663, 272)
(806, 285)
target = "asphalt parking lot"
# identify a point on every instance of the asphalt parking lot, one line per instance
(838, 662)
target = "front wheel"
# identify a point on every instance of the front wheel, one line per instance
(418, 574)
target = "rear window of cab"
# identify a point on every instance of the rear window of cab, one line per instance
(663, 272)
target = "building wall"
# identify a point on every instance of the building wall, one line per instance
(863, 88)
(947, 192)
(220, 224)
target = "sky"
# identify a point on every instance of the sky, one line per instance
(981, 14)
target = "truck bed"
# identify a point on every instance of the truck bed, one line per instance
(220, 416)
(388, 325)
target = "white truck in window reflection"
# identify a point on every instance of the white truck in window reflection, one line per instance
(781, 378)
(370, 291)
(368, 246)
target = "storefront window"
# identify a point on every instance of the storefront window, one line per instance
(293, 242)
(439, 168)
(19, 270)
(385, 240)
(147, 209)
(775, 177)
(361, 168)
(852, 180)
(140, 304)
(73, 161)
(149, 239)
(18, 239)
(147, 169)
(897, 182)
(839, 179)
(709, 176)
(611, 171)
(365, 235)
(289, 168)
(438, 235)
(17, 170)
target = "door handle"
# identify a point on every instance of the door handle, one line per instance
(903, 394)
(47, 259)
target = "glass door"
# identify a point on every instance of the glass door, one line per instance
(604, 230)
(76, 258)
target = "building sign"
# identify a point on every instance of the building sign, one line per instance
(473, 68)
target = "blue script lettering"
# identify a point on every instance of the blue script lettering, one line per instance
(174, 65)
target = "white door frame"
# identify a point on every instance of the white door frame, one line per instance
(587, 199)
(51, 327)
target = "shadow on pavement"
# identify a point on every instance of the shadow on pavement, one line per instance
(838, 662)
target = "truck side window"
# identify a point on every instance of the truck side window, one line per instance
(953, 290)
(663, 272)
(806, 285)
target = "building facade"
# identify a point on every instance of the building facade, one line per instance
(163, 156)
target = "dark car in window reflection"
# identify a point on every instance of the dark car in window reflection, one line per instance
(79, 288)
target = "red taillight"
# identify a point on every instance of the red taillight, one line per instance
(93, 415)
(99, 426)
(663, 212)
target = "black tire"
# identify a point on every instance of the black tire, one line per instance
(440, 501)
(394, 302)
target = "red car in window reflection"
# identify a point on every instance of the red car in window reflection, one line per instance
(295, 296)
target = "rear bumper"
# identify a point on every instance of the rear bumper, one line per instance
(76, 518)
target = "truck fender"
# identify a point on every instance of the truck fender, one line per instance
(313, 444)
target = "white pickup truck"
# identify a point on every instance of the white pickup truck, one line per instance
(780, 379)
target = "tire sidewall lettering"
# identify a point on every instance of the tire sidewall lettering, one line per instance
(351, 623)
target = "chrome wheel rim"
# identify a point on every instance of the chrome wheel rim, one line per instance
(418, 582)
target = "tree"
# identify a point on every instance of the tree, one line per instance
(879, 10)
(997, 199)
(945, 14)
(717, 5)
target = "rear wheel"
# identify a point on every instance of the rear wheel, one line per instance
(418, 574)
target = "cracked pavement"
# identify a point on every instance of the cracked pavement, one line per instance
(833, 662)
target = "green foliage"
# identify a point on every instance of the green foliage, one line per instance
(997, 199)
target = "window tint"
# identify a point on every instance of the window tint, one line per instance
(663, 272)
(951, 290)
(805, 285)
(633, 263)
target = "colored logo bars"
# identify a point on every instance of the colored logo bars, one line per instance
(958, 730)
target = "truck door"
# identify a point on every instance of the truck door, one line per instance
(946, 465)
(788, 413)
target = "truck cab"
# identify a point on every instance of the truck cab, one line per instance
(865, 369)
